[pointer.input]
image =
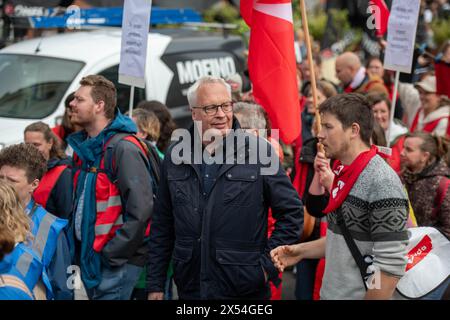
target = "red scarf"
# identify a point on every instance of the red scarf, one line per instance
(348, 89)
(346, 176)
(429, 126)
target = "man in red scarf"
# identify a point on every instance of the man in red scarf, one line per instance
(365, 197)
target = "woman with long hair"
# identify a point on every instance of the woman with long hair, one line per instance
(14, 231)
(167, 124)
(54, 192)
(425, 175)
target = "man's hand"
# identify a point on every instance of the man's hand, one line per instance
(155, 296)
(321, 161)
(285, 256)
(326, 177)
(322, 167)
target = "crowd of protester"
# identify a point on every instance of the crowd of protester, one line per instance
(113, 195)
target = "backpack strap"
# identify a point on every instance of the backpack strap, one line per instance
(155, 162)
(108, 155)
(149, 151)
(362, 262)
(47, 183)
(441, 192)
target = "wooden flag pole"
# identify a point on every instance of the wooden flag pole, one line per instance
(308, 220)
(311, 68)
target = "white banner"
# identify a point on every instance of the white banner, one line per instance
(402, 28)
(133, 54)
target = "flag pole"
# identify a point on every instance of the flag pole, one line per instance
(130, 106)
(308, 220)
(311, 68)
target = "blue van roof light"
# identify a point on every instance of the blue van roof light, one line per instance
(108, 17)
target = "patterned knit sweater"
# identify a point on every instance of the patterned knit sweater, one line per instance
(375, 212)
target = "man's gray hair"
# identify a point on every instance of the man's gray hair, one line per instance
(250, 115)
(192, 91)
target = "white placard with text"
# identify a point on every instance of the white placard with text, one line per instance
(401, 38)
(133, 53)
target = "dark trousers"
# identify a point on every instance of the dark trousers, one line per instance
(305, 277)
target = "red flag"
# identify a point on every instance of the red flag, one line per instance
(442, 71)
(272, 64)
(246, 8)
(381, 16)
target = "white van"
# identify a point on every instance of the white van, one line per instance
(37, 75)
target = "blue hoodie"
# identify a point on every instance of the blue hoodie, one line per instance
(89, 150)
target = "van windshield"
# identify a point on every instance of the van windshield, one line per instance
(31, 87)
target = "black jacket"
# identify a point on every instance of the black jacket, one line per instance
(60, 200)
(218, 242)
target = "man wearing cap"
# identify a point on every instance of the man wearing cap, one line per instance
(434, 111)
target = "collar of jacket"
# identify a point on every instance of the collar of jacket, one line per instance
(230, 157)
(194, 137)
(437, 168)
(90, 149)
(54, 162)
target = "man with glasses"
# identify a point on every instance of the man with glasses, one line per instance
(211, 211)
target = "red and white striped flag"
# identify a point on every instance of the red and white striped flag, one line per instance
(272, 64)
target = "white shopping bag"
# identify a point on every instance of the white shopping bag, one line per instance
(428, 262)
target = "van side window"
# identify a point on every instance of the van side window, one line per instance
(123, 91)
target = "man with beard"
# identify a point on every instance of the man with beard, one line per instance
(113, 193)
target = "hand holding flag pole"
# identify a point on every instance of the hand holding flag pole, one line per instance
(311, 70)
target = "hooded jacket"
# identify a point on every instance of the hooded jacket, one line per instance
(136, 195)
(422, 188)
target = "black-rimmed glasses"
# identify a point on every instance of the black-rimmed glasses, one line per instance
(213, 108)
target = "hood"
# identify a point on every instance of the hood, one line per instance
(439, 168)
(58, 162)
(436, 114)
(89, 149)
(436, 169)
